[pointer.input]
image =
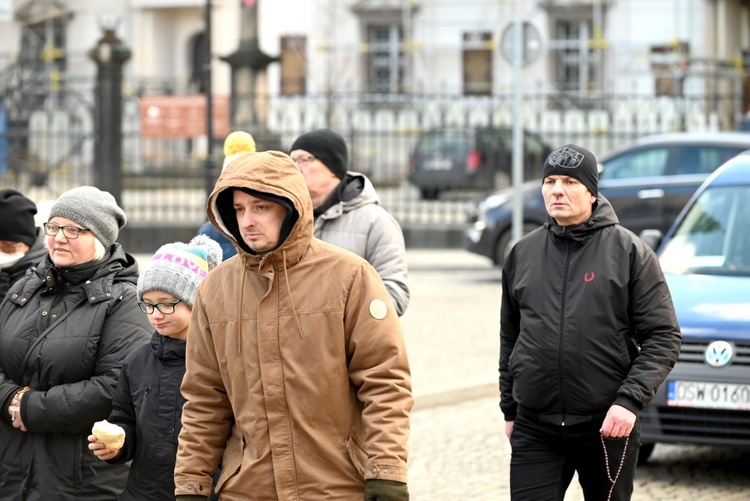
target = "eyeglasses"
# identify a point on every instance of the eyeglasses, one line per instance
(52, 229)
(302, 161)
(164, 308)
(9, 247)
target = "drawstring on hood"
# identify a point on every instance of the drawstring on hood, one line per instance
(291, 299)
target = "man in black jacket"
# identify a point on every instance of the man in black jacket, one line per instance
(588, 333)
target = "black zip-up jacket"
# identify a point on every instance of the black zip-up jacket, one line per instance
(587, 321)
(72, 374)
(148, 405)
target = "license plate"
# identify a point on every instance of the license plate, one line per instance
(438, 163)
(708, 395)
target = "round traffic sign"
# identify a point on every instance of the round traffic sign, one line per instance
(531, 43)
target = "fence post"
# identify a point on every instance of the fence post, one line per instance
(110, 55)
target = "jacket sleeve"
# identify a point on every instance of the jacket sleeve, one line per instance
(379, 368)
(207, 414)
(386, 252)
(510, 325)
(123, 414)
(656, 329)
(76, 406)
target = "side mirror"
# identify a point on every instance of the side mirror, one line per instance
(652, 238)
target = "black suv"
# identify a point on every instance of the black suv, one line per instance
(647, 183)
(477, 158)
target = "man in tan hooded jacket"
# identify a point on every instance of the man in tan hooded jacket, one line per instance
(297, 375)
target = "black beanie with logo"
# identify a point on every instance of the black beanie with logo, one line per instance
(576, 162)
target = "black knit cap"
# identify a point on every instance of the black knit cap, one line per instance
(576, 162)
(327, 146)
(17, 218)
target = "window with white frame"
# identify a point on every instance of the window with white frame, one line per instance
(577, 65)
(386, 62)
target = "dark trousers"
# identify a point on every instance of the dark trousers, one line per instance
(545, 457)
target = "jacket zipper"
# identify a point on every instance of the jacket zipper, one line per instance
(562, 333)
(143, 402)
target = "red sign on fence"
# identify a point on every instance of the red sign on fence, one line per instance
(182, 116)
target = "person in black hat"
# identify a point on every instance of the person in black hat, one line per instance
(588, 332)
(347, 210)
(21, 240)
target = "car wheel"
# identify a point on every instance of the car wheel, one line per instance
(429, 193)
(645, 453)
(503, 244)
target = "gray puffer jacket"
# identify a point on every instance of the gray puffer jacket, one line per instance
(359, 224)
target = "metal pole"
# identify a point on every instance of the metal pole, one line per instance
(110, 54)
(209, 163)
(517, 171)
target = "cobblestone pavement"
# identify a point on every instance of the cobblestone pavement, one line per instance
(459, 452)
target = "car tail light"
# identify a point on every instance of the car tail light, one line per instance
(472, 160)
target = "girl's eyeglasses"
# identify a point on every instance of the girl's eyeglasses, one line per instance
(164, 308)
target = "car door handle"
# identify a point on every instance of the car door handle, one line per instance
(655, 193)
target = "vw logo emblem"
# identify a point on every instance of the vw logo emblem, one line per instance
(718, 353)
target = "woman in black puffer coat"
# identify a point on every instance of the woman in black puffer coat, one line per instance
(65, 330)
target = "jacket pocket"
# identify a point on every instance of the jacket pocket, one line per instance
(231, 461)
(357, 456)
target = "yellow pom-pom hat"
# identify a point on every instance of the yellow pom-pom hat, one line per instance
(236, 144)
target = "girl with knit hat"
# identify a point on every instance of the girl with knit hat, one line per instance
(148, 404)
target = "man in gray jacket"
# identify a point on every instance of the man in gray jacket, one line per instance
(347, 210)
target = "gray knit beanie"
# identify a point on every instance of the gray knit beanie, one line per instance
(93, 209)
(178, 268)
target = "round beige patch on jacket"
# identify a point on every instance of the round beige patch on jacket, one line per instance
(378, 309)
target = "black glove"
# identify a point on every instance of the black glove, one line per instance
(385, 490)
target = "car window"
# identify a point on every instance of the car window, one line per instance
(713, 237)
(648, 162)
(447, 143)
(703, 159)
(505, 138)
(489, 140)
(533, 146)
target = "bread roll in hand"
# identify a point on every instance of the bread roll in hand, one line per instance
(111, 435)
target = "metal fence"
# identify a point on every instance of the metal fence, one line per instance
(47, 148)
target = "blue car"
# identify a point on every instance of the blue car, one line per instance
(705, 256)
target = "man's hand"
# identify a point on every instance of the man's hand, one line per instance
(509, 428)
(618, 423)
